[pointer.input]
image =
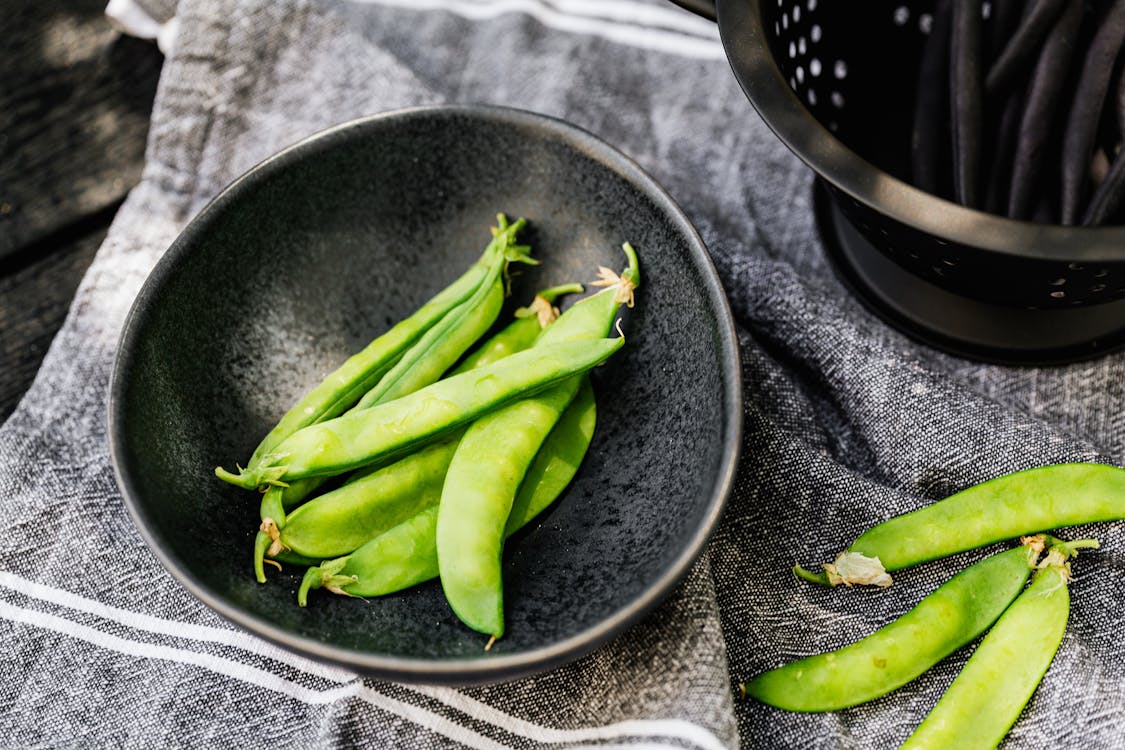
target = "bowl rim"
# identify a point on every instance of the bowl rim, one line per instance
(498, 667)
(747, 50)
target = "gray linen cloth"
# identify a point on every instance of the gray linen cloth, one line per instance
(846, 422)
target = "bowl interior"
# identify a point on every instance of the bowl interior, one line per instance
(321, 248)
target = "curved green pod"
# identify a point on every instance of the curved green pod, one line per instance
(1010, 506)
(946, 620)
(988, 695)
(486, 471)
(494, 455)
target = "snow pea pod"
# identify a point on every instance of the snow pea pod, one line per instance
(340, 521)
(522, 332)
(987, 697)
(397, 427)
(342, 388)
(407, 554)
(946, 620)
(518, 335)
(1010, 506)
(492, 458)
(480, 486)
(421, 365)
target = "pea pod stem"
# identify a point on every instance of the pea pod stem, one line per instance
(1007, 507)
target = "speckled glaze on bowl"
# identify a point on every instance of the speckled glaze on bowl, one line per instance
(318, 249)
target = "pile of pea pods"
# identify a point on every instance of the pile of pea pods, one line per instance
(421, 454)
(1023, 624)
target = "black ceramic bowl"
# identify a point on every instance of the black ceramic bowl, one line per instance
(318, 249)
(836, 81)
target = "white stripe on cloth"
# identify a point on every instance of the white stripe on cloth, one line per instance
(631, 12)
(246, 673)
(458, 701)
(670, 728)
(239, 639)
(630, 34)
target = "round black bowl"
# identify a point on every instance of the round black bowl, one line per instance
(836, 82)
(318, 249)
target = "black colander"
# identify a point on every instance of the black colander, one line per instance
(836, 79)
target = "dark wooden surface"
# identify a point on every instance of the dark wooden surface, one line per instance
(75, 100)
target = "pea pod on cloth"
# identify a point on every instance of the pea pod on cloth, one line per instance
(494, 455)
(407, 554)
(345, 386)
(987, 697)
(338, 522)
(1010, 506)
(946, 620)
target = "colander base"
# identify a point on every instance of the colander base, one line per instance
(957, 324)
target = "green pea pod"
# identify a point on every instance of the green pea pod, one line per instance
(378, 501)
(480, 486)
(422, 365)
(521, 333)
(405, 424)
(987, 697)
(557, 461)
(515, 337)
(943, 622)
(492, 458)
(340, 521)
(407, 554)
(344, 387)
(1013, 505)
